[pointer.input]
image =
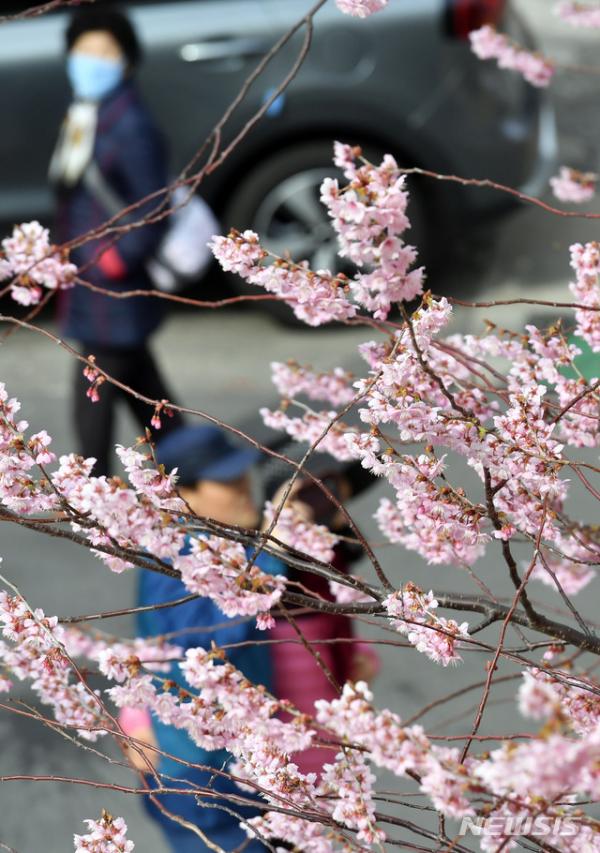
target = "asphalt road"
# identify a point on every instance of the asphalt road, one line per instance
(219, 363)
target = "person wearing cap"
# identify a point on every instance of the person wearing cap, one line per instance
(214, 479)
(108, 131)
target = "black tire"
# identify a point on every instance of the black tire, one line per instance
(259, 203)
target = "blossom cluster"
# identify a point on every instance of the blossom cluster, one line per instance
(292, 379)
(369, 215)
(585, 260)
(421, 388)
(36, 653)
(361, 8)
(298, 532)
(32, 263)
(435, 520)
(400, 749)
(18, 457)
(487, 43)
(137, 521)
(315, 297)
(570, 575)
(313, 427)
(558, 697)
(107, 835)
(219, 569)
(579, 14)
(117, 520)
(226, 711)
(118, 659)
(573, 186)
(433, 635)
(221, 709)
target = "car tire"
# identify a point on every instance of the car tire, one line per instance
(279, 199)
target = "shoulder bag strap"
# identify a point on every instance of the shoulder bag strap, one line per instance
(95, 182)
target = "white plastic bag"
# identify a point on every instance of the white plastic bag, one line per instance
(183, 254)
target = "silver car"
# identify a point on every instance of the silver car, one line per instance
(402, 81)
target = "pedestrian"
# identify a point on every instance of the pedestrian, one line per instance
(214, 480)
(109, 138)
(332, 654)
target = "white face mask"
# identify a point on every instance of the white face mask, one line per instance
(93, 77)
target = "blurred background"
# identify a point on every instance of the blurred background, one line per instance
(403, 81)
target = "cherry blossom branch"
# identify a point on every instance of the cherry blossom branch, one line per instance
(431, 373)
(486, 183)
(177, 298)
(506, 551)
(585, 393)
(42, 9)
(213, 420)
(491, 611)
(494, 303)
(577, 615)
(294, 478)
(127, 611)
(492, 665)
(64, 655)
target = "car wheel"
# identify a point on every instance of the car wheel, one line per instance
(279, 199)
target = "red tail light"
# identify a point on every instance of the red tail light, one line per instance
(465, 15)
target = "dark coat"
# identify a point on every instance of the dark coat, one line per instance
(130, 153)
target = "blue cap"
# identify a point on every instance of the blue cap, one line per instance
(204, 453)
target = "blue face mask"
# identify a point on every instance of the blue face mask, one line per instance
(93, 77)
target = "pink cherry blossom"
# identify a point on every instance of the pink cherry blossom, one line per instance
(542, 696)
(310, 427)
(433, 520)
(264, 621)
(108, 835)
(572, 576)
(346, 594)
(432, 635)
(361, 8)
(444, 783)
(305, 835)
(36, 653)
(369, 215)
(585, 260)
(218, 569)
(294, 530)
(537, 697)
(32, 261)
(487, 43)
(348, 782)
(315, 297)
(547, 766)
(510, 408)
(579, 14)
(291, 379)
(573, 186)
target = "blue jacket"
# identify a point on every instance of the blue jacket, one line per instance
(253, 661)
(130, 153)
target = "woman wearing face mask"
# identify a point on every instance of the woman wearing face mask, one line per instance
(109, 139)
